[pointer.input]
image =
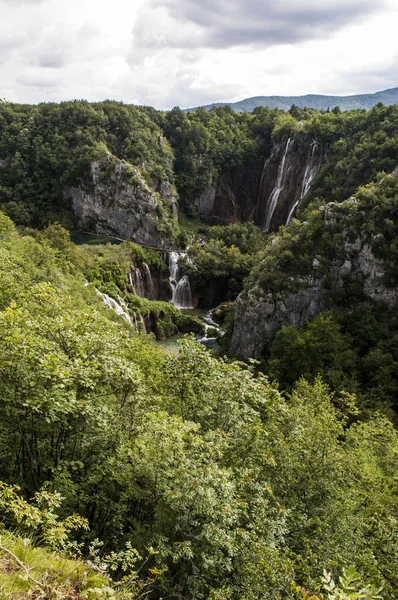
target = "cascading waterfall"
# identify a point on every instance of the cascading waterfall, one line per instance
(122, 309)
(150, 288)
(210, 324)
(139, 322)
(181, 295)
(119, 307)
(135, 279)
(141, 280)
(280, 180)
(311, 170)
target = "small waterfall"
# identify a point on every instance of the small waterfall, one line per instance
(280, 180)
(150, 288)
(119, 307)
(181, 295)
(139, 322)
(135, 279)
(210, 323)
(311, 170)
(141, 280)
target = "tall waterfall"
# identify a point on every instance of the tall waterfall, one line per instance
(280, 180)
(311, 170)
(135, 279)
(180, 288)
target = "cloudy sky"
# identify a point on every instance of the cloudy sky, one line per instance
(189, 52)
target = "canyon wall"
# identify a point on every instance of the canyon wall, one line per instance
(267, 193)
(119, 202)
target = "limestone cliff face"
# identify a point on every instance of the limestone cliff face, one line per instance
(268, 193)
(260, 314)
(119, 202)
(232, 196)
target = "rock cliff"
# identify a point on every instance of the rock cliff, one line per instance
(119, 202)
(259, 316)
(267, 193)
(347, 272)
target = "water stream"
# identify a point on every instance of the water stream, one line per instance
(181, 296)
(141, 280)
(310, 172)
(279, 184)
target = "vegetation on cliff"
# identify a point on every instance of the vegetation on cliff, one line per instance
(189, 476)
(47, 148)
(213, 483)
(350, 249)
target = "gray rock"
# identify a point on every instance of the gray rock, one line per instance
(259, 315)
(244, 192)
(257, 319)
(120, 203)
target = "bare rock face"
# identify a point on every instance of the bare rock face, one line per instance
(232, 196)
(259, 317)
(120, 203)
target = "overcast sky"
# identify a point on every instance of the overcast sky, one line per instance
(189, 52)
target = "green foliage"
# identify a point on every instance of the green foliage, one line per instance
(348, 587)
(167, 319)
(39, 518)
(197, 477)
(206, 141)
(218, 267)
(320, 348)
(47, 148)
(29, 571)
(354, 346)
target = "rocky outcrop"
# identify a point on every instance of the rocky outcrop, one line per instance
(152, 284)
(267, 193)
(259, 315)
(360, 262)
(119, 202)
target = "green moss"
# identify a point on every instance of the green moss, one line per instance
(167, 319)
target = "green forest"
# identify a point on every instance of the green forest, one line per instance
(128, 471)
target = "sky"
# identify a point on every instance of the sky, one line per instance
(167, 53)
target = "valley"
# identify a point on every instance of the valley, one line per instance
(198, 352)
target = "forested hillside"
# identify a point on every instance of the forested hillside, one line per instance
(225, 488)
(317, 101)
(263, 470)
(111, 168)
(93, 166)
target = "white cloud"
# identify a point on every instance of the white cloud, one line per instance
(186, 52)
(229, 23)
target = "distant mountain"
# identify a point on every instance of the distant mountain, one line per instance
(317, 101)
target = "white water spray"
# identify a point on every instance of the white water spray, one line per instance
(181, 295)
(149, 287)
(311, 170)
(120, 307)
(280, 180)
(135, 279)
